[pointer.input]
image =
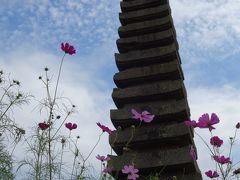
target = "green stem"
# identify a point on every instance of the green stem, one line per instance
(6, 90)
(84, 160)
(50, 115)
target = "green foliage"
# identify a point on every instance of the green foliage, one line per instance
(5, 163)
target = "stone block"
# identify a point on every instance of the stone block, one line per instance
(156, 91)
(158, 59)
(152, 73)
(144, 14)
(151, 136)
(146, 54)
(146, 27)
(155, 160)
(147, 41)
(164, 111)
(134, 5)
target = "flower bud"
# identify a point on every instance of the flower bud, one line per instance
(238, 125)
(237, 171)
(63, 140)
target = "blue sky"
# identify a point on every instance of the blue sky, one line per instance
(208, 34)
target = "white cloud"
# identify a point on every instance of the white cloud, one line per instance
(207, 29)
(78, 22)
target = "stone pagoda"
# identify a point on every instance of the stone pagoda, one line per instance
(150, 78)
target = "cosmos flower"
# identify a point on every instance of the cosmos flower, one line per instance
(107, 170)
(68, 49)
(143, 116)
(131, 172)
(71, 126)
(104, 128)
(191, 123)
(43, 125)
(216, 141)
(193, 153)
(102, 158)
(206, 122)
(221, 159)
(211, 174)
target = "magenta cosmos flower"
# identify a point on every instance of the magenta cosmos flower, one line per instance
(216, 141)
(143, 116)
(107, 170)
(131, 172)
(211, 174)
(68, 49)
(104, 128)
(102, 158)
(71, 126)
(205, 122)
(43, 126)
(221, 159)
(190, 123)
(193, 153)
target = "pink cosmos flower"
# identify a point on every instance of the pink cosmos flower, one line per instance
(193, 153)
(107, 170)
(104, 128)
(102, 158)
(221, 159)
(132, 173)
(71, 126)
(211, 174)
(216, 141)
(43, 126)
(143, 116)
(190, 123)
(68, 49)
(206, 122)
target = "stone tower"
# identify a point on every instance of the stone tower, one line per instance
(150, 78)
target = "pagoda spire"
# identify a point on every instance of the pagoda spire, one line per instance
(150, 78)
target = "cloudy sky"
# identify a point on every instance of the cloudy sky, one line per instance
(208, 33)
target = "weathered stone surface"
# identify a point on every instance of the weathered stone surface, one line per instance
(154, 160)
(123, 65)
(144, 14)
(180, 176)
(152, 136)
(156, 72)
(146, 27)
(140, 4)
(147, 41)
(147, 37)
(164, 111)
(156, 91)
(146, 57)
